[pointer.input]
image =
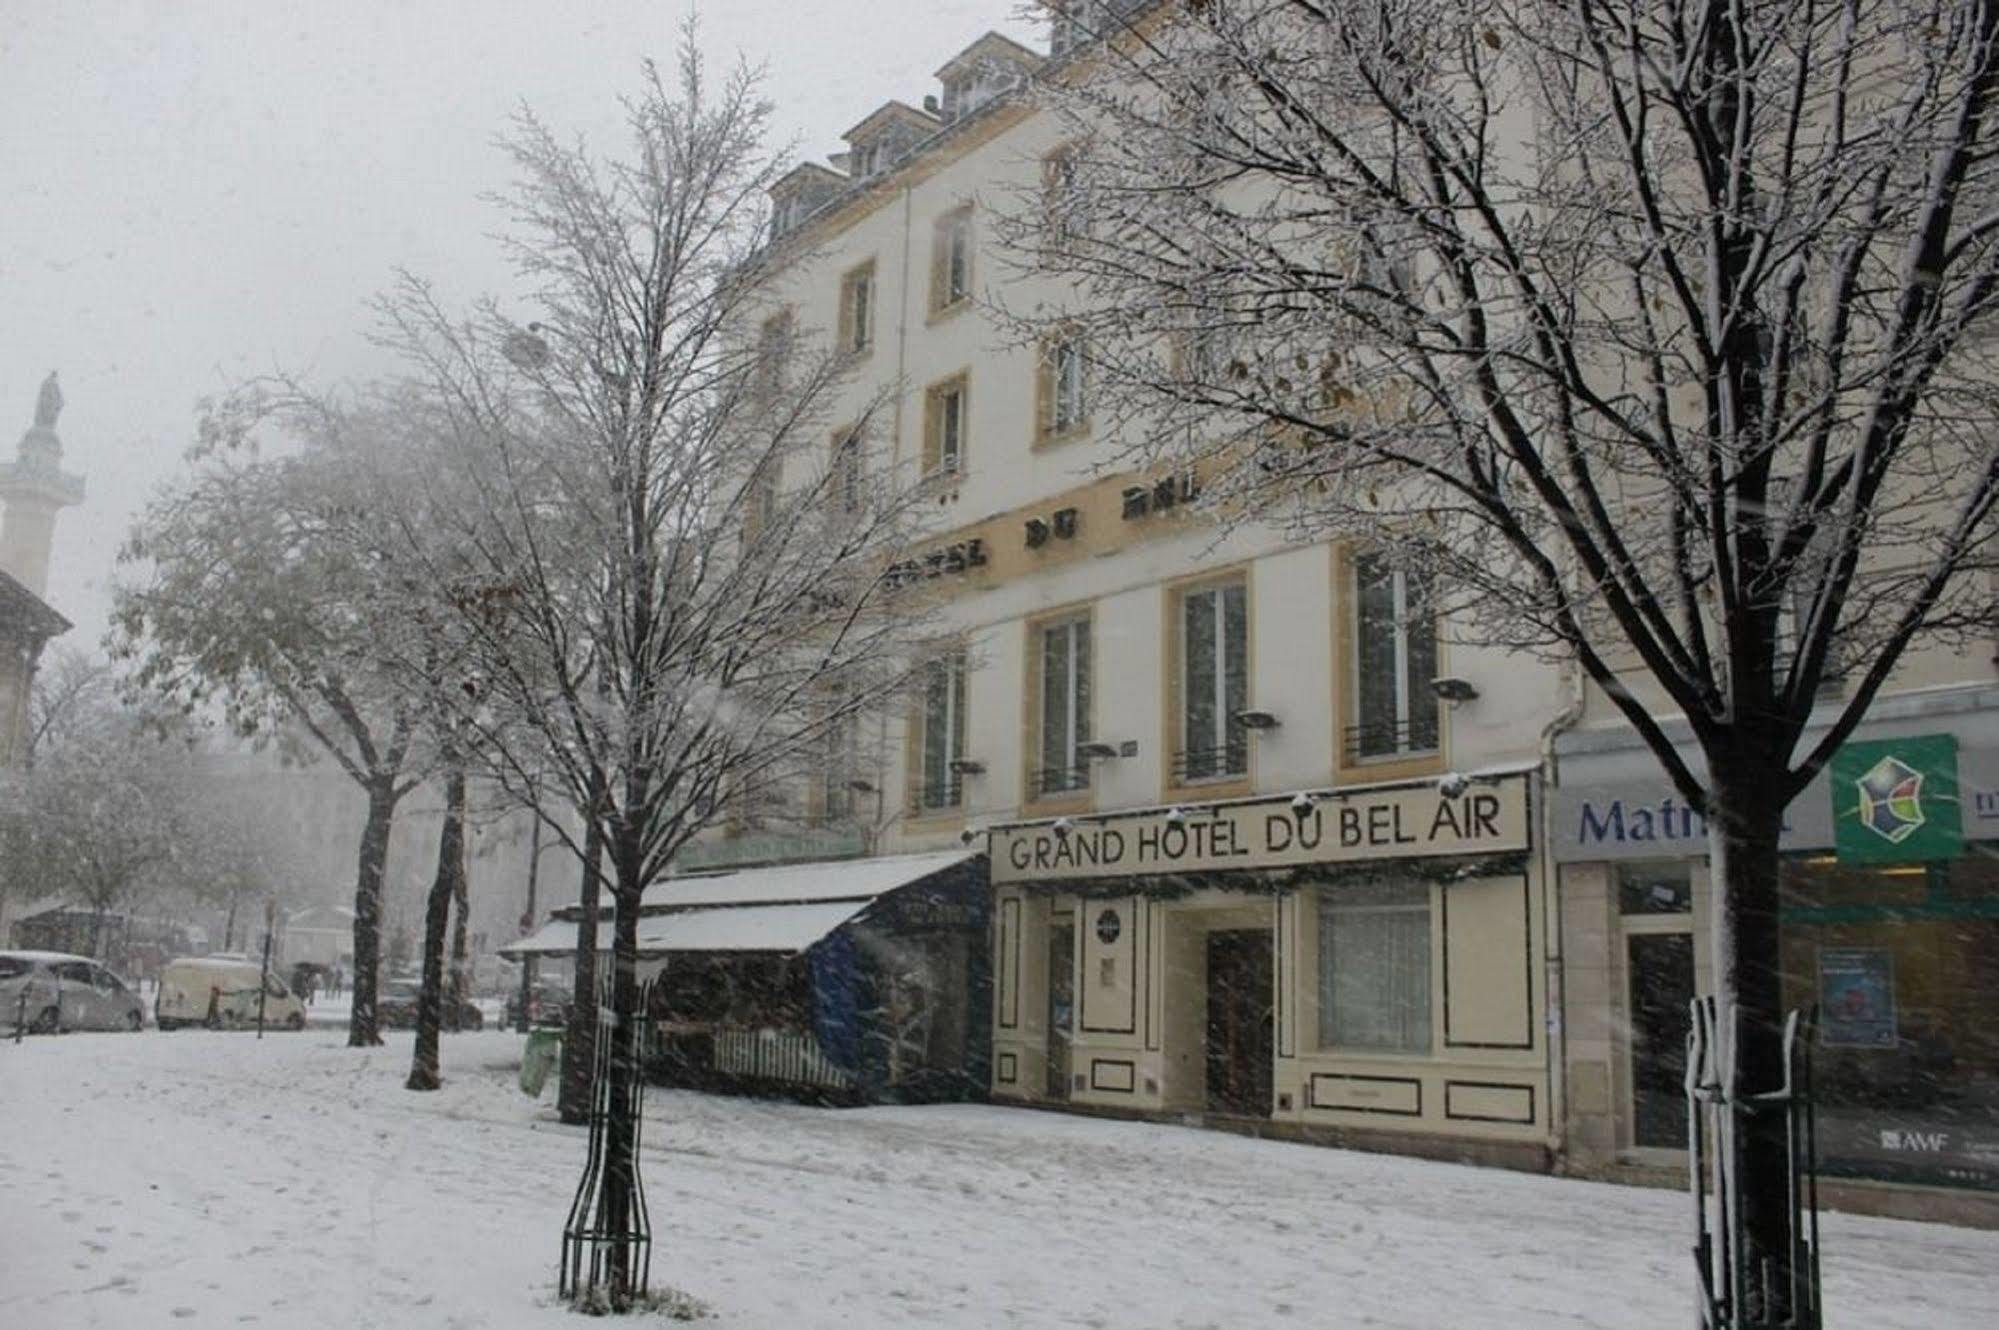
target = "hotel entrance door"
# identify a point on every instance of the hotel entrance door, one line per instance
(1241, 973)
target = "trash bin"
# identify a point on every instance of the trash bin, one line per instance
(543, 1055)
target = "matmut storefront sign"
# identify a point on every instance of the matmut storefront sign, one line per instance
(1396, 822)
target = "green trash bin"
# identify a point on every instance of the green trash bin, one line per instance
(543, 1055)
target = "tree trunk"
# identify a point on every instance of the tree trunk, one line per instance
(436, 920)
(579, 1045)
(618, 1215)
(229, 927)
(361, 1031)
(1743, 830)
(527, 962)
(454, 1015)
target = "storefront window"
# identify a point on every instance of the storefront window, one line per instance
(1374, 967)
(1903, 962)
(1664, 886)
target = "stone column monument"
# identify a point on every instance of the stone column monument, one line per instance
(33, 489)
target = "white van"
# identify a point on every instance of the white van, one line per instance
(221, 992)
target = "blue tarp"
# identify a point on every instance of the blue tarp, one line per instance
(836, 1016)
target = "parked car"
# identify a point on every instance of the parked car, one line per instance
(548, 1004)
(222, 992)
(395, 1007)
(52, 990)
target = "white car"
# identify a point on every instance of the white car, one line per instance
(50, 990)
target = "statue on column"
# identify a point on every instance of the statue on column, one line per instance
(49, 404)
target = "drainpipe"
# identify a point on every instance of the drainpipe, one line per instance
(1574, 686)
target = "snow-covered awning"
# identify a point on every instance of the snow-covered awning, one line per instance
(784, 909)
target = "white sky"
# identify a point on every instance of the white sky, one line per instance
(192, 193)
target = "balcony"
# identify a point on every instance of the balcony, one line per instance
(1374, 740)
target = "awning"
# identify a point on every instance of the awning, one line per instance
(783, 909)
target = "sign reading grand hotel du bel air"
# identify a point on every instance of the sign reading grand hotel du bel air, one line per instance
(1895, 801)
(1397, 822)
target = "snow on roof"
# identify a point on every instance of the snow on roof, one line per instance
(41, 956)
(826, 880)
(779, 928)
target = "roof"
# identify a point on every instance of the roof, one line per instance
(18, 605)
(805, 173)
(785, 929)
(839, 879)
(991, 46)
(786, 908)
(921, 121)
(43, 955)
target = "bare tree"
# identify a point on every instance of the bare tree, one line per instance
(69, 687)
(246, 598)
(1658, 333)
(113, 812)
(673, 574)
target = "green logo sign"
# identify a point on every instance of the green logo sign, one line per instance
(1894, 801)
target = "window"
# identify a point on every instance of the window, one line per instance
(857, 310)
(839, 766)
(846, 480)
(1374, 967)
(951, 261)
(1395, 658)
(1063, 691)
(1655, 887)
(1059, 197)
(1065, 407)
(760, 499)
(773, 349)
(1214, 681)
(1075, 22)
(941, 734)
(944, 428)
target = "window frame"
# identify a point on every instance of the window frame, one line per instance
(857, 322)
(775, 334)
(848, 466)
(840, 758)
(1080, 717)
(1230, 746)
(949, 786)
(1402, 726)
(951, 247)
(1050, 427)
(1329, 907)
(935, 462)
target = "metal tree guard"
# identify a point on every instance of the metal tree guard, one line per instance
(592, 1237)
(1716, 1111)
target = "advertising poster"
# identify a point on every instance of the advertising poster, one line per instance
(1856, 997)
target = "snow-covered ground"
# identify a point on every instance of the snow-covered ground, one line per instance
(216, 1180)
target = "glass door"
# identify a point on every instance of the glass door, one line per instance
(1661, 968)
(1061, 1003)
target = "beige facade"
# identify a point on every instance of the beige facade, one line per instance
(1130, 669)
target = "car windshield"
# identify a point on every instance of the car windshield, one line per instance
(400, 988)
(13, 967)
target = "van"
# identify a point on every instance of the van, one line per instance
(221, 992)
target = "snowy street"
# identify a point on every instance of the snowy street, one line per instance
(211, 1179)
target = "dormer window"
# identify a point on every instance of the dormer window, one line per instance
(982, 72)
(1075, 22)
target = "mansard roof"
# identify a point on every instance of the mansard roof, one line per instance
(893, 113)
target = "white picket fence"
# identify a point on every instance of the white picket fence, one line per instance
(777, 1055)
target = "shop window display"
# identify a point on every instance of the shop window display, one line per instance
(1903, 963)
